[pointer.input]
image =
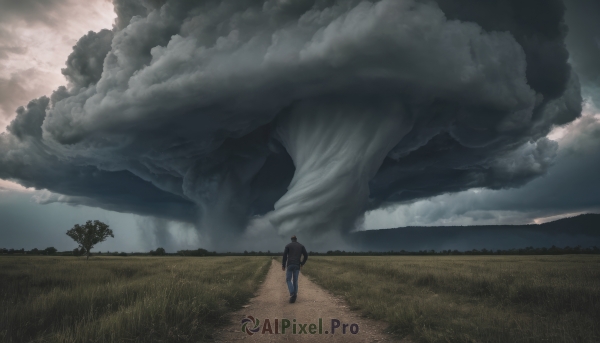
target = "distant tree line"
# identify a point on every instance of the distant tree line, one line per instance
(524, 251)
(158, 252)
(553, 250)
(53, 251)
(34, 251)
(204, 252)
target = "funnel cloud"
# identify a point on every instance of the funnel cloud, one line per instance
(303, 113)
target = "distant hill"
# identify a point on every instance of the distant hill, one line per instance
(581, 230)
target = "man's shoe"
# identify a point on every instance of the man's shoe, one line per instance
(293, 298)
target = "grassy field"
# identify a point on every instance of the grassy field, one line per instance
(473, 298)
(116, 299)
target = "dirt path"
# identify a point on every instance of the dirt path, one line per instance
(313, 303)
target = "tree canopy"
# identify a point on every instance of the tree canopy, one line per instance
(90, 234)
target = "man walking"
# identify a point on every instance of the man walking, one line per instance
(291, 255)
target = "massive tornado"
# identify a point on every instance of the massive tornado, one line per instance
(303, 114)
(337, 148)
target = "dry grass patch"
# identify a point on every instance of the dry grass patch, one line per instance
(116, 299)
(471, 298)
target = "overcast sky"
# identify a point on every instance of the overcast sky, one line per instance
(180, 125)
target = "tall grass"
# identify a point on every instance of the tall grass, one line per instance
(471, 298)
(115, 299)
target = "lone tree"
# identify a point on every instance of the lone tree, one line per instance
(158, 252)
(50, 251)
(90, 234)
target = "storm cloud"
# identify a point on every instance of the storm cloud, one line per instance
(306, 112)
(583, 42)
(36, 36)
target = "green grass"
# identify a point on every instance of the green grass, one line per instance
(471, 298)
(116, 299)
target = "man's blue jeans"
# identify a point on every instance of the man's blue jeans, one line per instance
(292, 270)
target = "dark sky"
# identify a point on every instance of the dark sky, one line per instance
(252, 120)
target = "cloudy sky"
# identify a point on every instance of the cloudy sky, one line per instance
(232, 124)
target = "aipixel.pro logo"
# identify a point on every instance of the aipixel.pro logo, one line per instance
(251, 326)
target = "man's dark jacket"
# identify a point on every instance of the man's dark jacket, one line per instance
(292, 254)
